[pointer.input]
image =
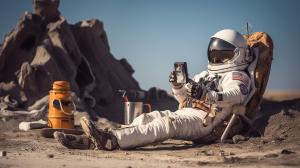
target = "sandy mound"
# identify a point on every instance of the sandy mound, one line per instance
(279, 119)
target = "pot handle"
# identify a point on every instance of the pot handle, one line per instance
(62, 109)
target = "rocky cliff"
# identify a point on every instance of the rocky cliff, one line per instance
(44, 47)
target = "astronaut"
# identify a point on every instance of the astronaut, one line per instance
(205, 101)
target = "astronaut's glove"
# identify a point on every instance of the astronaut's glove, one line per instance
(210, 85)
(173, 80)
(195, 91)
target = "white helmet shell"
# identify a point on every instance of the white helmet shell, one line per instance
(240, 60)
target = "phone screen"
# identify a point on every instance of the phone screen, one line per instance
(181, 72)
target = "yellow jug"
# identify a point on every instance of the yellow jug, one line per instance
(61, 106)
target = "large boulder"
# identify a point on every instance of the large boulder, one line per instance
(44, 47)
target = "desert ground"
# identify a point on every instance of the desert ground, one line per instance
(277, 145)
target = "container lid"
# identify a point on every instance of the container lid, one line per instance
(61, 85)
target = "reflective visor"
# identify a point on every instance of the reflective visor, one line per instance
(220, 51)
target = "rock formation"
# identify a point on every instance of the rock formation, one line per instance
(44, 47)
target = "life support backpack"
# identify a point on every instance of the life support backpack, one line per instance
(263, 43)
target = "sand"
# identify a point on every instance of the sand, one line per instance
(278, 146)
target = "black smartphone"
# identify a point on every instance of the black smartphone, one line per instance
(181, 72)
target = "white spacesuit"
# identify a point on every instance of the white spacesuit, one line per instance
(205, 101)
(225, 84)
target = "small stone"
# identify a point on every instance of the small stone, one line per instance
(201, 163)
(231, 153)
(279, 138)
(271, 155)
(238, 138)
(232, 159)
(3, 153)
(205, 153)
(287, 152)
(129, 167)
(4, 119)
(263, 141)
(284, 112)
(288, 113)
(200, 153)
(209, 153)
(50, 156)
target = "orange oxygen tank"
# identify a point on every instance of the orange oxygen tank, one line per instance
(61, 106)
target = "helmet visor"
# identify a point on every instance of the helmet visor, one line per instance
(220, 51)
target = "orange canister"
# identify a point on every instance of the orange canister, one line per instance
(61, 106)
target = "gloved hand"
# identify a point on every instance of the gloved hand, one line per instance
(210, 85)
(173, 80)
(196, 91)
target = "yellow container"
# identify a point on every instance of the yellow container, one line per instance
(61, 106)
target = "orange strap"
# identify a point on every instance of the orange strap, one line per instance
(198, 104)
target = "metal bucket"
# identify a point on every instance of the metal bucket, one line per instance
(132, 110)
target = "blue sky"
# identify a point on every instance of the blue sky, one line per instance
(152, 35)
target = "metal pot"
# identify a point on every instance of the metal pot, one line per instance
(132, 110)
